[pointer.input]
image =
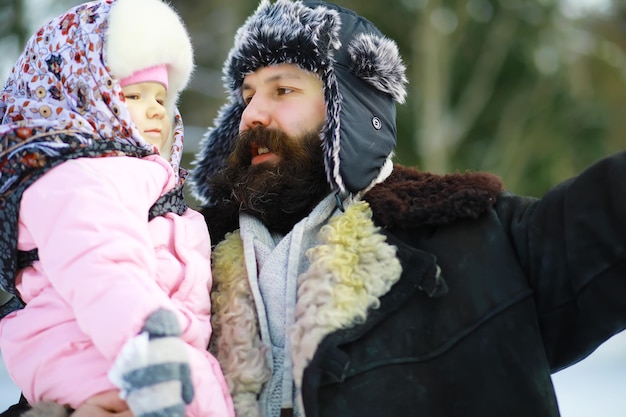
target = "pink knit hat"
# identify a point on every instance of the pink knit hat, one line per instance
(157, 73)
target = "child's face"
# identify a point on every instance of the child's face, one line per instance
(145, 102)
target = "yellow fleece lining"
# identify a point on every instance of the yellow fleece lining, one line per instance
(351, 268)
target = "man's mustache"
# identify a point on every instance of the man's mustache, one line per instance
(261, 137)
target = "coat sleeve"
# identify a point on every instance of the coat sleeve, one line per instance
(90, 226)
(572, 243)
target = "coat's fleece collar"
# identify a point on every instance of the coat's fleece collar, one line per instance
(236, 342)
(409, 197)
(350, 270)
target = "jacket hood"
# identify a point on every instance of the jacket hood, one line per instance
(363, 77)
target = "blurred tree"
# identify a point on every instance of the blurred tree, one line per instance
(18, 21)
(13, 31)
(12, 21)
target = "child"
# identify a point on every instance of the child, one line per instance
(109, 268)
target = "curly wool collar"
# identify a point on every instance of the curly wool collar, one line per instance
(409, 197)
(351, 268)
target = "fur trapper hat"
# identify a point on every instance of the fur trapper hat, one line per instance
(362, 73)
(148, 33)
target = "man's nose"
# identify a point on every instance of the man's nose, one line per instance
(256, 114)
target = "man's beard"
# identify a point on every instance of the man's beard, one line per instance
(278, 193)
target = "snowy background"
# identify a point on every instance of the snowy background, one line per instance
(594, 387)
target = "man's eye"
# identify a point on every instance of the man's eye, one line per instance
(284, 90)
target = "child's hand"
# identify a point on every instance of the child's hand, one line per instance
(153, 369)
(107, 404)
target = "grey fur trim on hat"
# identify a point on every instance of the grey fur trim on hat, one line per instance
(362, 73)
(146, 33)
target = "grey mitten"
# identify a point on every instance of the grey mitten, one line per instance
(153, 370)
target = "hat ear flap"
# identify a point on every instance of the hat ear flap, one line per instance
(367, 132)
(215, 147)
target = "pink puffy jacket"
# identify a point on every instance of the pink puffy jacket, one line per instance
(103, 269)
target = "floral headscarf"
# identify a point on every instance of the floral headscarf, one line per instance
(61, 102)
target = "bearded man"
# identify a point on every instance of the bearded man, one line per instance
(345, 285)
